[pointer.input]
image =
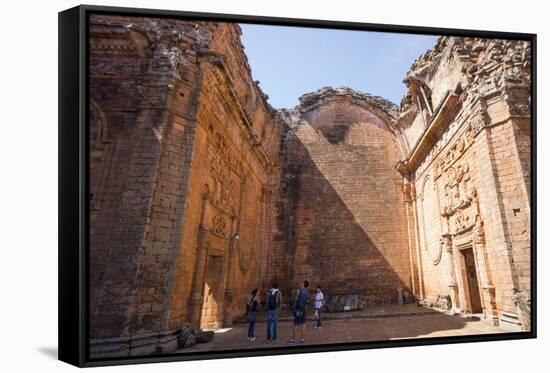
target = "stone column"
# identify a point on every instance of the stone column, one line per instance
(488, 290)
(417, 241)
(197, 285)
(228, 301)
(233, 248)
(409, 210)
(447, 242)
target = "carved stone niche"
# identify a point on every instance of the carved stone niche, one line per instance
(436, 253)
(479, 231)
(455, 151)
(220, 225)
(446, 242)
(458, 192)
(478, 123)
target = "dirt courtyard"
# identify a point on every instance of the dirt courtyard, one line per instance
(350, 330)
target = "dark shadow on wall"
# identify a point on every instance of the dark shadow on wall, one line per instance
(322, 239)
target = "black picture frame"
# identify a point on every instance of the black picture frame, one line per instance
(73, 183)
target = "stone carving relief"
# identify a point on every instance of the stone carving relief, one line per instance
(220, 190)
(446, 242)
(220, 224)
(455, 151)
(225, 153)
(459, 147)
(225, 170)
(477, 123)
(458, 190)
(517, 108)
(458, 196)
(491, 67)
(479, 231)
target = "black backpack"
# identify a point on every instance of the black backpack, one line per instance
(249, 306)
(301, 299)
(272, 300)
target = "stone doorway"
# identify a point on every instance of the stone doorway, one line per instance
(471, 286)
(212, 306)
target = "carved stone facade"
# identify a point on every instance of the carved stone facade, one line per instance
(467, 118)
(183, 152)
(200, 191)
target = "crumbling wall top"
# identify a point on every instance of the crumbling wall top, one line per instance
(312, 100)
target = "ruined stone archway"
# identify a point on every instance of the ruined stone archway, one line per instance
(343, 221)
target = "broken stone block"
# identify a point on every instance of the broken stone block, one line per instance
(205, 336)
(188, 336)
(340, 303)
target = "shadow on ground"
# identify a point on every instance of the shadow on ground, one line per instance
(350, 330)
(50, 352)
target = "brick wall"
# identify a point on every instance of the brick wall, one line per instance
(200, 191)
(469, 161)
(182, 147)
(341, 217)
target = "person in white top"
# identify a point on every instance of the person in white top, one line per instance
(318, 304)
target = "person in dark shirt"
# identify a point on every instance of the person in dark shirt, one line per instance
(252, 309)
(299, 312)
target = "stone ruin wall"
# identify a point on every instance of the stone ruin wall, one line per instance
(200, 191)
(341, 219)
(182, 155)
(232, 175)
(469, 171)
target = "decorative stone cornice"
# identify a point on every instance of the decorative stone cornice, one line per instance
(441, 118)
(490, 67)
(217, 60)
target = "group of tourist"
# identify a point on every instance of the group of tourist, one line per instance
(273, 304)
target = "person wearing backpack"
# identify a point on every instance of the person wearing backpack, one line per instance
(299, 312)
(251, 309)
(273, 304)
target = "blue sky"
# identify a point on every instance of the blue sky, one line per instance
(291, 61)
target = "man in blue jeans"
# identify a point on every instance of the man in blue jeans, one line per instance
(273, 302)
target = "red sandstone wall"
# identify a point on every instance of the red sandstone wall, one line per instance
(236, 138)
(182, 143)
(341, 217)
(128, 90)
(184, 153)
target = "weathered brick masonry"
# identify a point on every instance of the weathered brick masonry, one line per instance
(341, 218)
(183, 146)
(200, 191)
(466, 119)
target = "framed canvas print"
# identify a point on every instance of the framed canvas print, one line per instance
(239, 185)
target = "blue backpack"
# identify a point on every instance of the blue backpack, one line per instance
(301, 299)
